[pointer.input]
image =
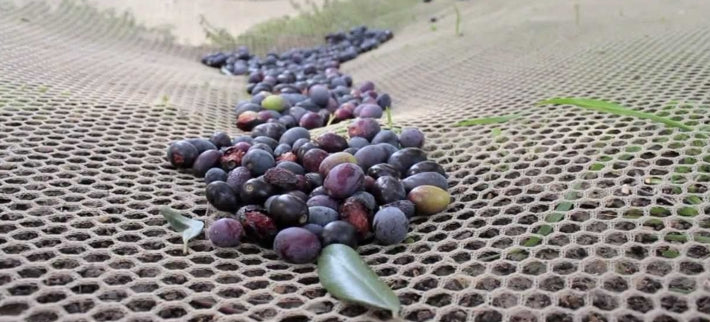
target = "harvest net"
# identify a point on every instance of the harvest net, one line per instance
(561, 215)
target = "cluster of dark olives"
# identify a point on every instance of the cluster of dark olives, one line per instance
(304, 87)
(298, 194)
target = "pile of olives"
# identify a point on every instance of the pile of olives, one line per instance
(297, 194)
(304, 87)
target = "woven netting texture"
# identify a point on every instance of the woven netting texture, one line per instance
(89, 102)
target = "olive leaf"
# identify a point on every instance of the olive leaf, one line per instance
(189, 228)
(496, 132)
(346, 276)
(487, 120)
(613, 108)
(532, 241)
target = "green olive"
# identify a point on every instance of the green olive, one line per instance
(429, 200)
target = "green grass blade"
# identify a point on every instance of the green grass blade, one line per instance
(613, 108)
(458, 21)
(487, 120)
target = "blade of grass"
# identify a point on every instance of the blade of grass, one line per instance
(458, 21)
(613, 108)
(487, 120)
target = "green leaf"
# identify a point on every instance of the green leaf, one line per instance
(545, 230)
(654, 223)
(596, 166)
(680, 290)
(613, 108)
(688, 211)
(489, 258)
(496, 132)
(532, 241)
(678, 179)
(653, 180)
(487, 120)
(564, 206)
(702, 239)
(633, 213)
(670, 253)
(660, 212)
(675, 236)
(555, 217)
(189, 228)
(518, 254)
(683, 169)
(345, 276)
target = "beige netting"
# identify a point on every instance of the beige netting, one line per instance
(88, 105)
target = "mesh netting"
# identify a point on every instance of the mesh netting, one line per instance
(88, 105)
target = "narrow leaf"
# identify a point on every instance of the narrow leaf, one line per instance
(489, 258)
(564, 206)
(388, 112)
(532, 241)
(331, 118)
(555, 217)
(189, 228)
(596, 166)
(545, 230)
(517, 254)
(487, 120)
(679, 237)
(670, 253)
(613, 108)
(688, 211)
(702, 239)
(653, 180)
(345, 276)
